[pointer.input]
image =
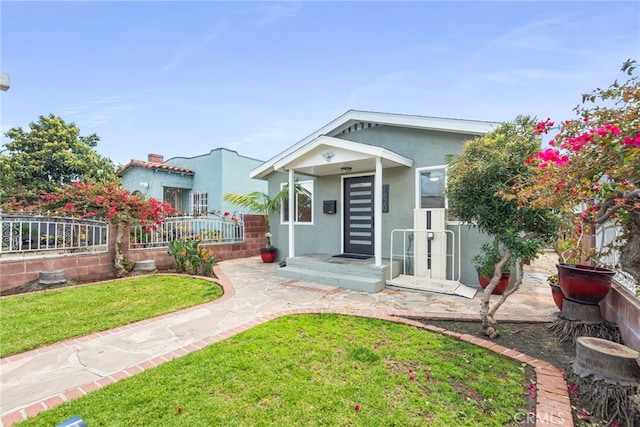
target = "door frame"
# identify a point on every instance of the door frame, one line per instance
(343, 206)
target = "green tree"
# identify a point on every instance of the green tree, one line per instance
(483, 182)
(50, 154)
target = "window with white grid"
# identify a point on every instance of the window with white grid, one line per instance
(199, 203)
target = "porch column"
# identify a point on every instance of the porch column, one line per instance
(377, 213)
(292, 199)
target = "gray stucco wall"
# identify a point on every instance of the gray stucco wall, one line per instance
(426, 148)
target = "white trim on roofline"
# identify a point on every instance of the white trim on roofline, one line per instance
(370, 150)
(351, 117)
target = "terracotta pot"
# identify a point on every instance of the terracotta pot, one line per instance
(558, 296)
(268, 254)
(502, 285)
(583, 283)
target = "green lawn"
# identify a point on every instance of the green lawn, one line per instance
(315, 370)
(36, 319)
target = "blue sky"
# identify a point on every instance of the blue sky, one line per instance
(183, 78)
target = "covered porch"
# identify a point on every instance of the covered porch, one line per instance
(361, 167)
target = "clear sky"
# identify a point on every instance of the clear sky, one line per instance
(183, 78)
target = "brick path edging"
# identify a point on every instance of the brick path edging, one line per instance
(553, 406)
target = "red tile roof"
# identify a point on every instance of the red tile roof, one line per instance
(150, 165)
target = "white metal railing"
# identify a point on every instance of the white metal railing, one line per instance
(35, 234)
(606, 234)
(208, 229)
(410, 257)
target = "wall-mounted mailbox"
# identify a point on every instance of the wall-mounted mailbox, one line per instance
(329, 206)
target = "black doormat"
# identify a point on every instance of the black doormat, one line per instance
(352, 256)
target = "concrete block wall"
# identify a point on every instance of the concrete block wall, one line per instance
(16, 272)
(623, 308)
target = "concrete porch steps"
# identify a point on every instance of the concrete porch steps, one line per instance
(354, 274)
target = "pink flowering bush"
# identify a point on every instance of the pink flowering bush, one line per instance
(592, 167)
(110, 202)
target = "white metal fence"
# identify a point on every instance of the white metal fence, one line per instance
(208, 229)
(31, 234)
(37, 234)
(607, 234)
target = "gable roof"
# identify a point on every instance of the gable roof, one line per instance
(354, 120)
(317, 157)
(152, 165)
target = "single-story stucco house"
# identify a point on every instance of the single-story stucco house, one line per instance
(193, 185)
(377, 202)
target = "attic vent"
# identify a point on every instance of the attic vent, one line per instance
(359, 126)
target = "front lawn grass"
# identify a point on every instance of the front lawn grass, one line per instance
(315, 370)
(33, 320)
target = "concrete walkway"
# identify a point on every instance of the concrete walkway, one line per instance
(41, 379)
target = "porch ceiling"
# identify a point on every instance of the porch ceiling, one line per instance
(328, 156)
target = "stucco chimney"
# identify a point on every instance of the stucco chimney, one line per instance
(155, 158)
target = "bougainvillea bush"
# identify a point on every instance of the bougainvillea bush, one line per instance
(91, 201)
(591, 170)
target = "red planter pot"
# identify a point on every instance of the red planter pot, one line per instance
(502, 285)
(557, 294)
(583, 283)
(268, 254)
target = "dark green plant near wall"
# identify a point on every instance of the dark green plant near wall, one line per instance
(191, 258)
(482, 185)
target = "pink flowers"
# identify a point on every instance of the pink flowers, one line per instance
(357, 407)
(632, 141)
(543, 127)
(551, 155)
(532, 390)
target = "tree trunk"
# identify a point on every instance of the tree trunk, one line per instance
(487, 312)
(118, 259)
(630, 256)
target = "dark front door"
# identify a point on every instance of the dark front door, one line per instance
(358, 215)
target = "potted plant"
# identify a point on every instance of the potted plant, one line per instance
(260, 203)
(577, 279)
(556, 292)
(485, 264)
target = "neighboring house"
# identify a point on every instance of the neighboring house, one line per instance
(193, 185)
(368, 174)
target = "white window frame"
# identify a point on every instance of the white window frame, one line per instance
(309, 185)
(200, 197)
(418, 193)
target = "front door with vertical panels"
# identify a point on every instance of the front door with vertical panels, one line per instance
(358, 215)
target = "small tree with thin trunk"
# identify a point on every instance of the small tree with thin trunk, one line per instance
(483, 182)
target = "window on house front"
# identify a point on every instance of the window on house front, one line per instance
(431, 187)
(199, 203)
(303, 204)
(173, 197)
